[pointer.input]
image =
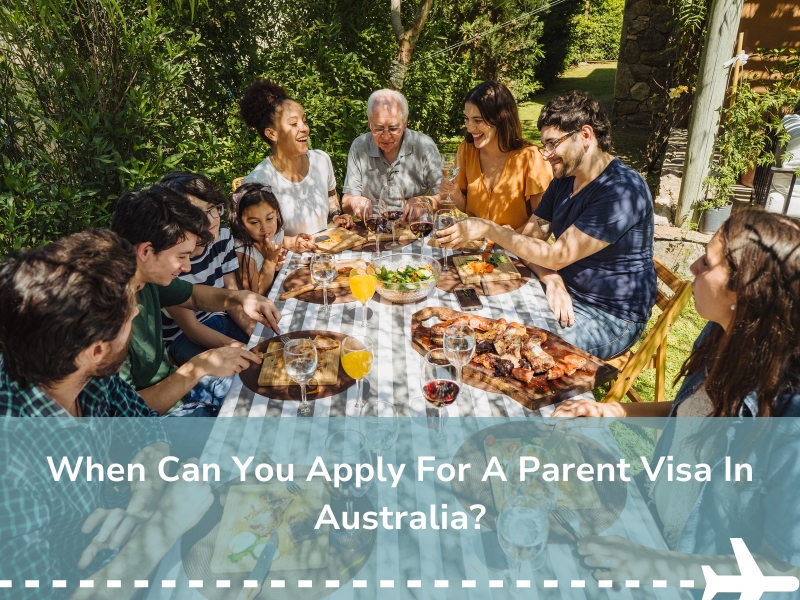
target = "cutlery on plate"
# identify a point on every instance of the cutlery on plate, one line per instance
(565, 517)
(261, 570)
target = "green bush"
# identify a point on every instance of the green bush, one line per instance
(596, 32)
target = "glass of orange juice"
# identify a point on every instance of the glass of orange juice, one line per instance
(362, 286)
(357, 354)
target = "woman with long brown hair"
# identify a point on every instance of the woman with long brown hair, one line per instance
(502, 176)
(745, 364)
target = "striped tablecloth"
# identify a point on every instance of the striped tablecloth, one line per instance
(395, 371)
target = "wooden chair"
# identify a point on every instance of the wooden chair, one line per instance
(236, 183)
(652, 353)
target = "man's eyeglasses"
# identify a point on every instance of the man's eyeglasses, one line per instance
(550, 147)
(215, 212)
(392, 129)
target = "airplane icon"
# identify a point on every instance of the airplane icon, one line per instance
(751, 583)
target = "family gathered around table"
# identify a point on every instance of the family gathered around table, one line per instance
(155, 316)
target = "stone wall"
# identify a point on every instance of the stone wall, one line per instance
(644, 64)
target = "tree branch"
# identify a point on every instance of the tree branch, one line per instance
(397, 19)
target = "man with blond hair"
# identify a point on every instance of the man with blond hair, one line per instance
(389, 153)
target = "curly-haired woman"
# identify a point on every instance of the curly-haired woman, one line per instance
(301, 179)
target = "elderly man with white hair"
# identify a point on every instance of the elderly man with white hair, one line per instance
(390, 150)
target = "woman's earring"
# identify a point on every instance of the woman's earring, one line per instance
(733, 307)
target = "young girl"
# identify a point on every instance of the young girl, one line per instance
(187, 333)
(257, 225)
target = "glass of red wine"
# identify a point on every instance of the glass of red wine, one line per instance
(420, 215)
(440, 383)
(374, 219)
(392, 197)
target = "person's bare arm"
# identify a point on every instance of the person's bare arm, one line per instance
(200, 334)
(218, 362)
(572, 246)
(457, 195)
(255, 306)
(255, 280)
(354, 205)
(590, 408)
(237, 312)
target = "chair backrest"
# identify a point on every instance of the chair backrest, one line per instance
(656, 339)
(236, 183)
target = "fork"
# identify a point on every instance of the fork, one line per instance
(565, 517)
(291, 486)
(284, 339)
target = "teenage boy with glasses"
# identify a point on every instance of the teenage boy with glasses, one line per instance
(187, 333)
(599, 274)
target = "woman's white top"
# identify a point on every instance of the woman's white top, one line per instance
(305, 204)
(791, 123)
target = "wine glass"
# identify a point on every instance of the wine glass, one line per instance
(444, 218)
(362, 286)
(450, 168)
(421, 219)
(440, 383)
(459, 346)
(393, 198)
(522, 530)
(374, 220)
(544, 492)
(379, 425)
(357, 354)
(347, 447)
(323, 271)
(300, 362)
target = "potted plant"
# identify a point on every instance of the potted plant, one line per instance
(753, 114)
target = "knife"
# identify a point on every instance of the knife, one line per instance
(261, 570)
(484, 287)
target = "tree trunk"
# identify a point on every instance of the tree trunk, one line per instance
(406, 40)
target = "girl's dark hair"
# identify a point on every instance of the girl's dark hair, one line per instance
(573, 111)
(160, 216)
(761, 351)
(259, 103)
(58, 300)
(247, 195)
(499, 109)
(194, 184)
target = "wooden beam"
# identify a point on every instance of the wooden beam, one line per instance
(712, 81)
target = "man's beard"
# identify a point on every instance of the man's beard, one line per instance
(568, 165)
(111, 365)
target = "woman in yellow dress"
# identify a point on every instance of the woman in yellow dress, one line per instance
(501, 176)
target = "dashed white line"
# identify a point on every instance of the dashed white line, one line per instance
(441, 583)
(331, 583)
(195, 583)
(167, 583)
(632, 583)
(414, 583)
(29, 583)
(659, 583)
(305, 583)
(87, 583)
(250, 583)
(387, 583)
(523, 583)
(687, 583)
(114, 583)
(6, 583)
(550, 583)
(139, 583)
(278, 583)
(223, 583)
(359, 583)
(468, 583)
(605, 583)
(578, 583)
(57, 583)
(495, 583)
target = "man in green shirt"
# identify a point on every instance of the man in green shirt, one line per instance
(164, 228)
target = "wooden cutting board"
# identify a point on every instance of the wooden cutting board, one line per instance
(243, 500)
(403, 233)
(273, 372)
(472, 246)
(539, 392)
(349, 240)
(503, 272)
